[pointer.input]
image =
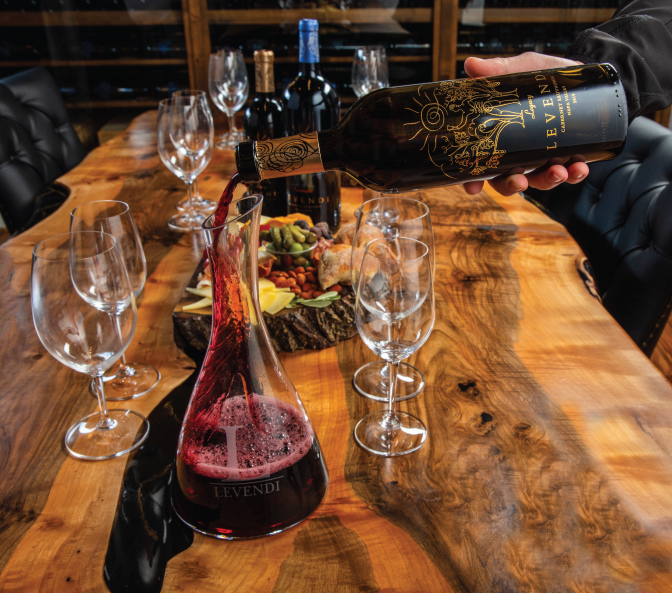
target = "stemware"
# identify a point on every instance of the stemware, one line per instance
(394, 314)
(130, 379)
(229, 86)
(84, 314)
(369, 69)
(390, 217)
(185, 134)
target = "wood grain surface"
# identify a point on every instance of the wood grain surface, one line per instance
(548, 465)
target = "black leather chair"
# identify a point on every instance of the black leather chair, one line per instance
(37, 145)
(621, 217)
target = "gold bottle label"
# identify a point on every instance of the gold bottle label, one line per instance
(467, 127)
(281, 157)
(263, 71)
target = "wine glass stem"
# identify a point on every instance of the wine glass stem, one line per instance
(229, 119)
(105, 422)
(390, 420)
(190, 192)
(124, 369)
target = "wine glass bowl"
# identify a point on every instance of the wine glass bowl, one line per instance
(229, 87)
(84, 314)
(130, 379)
(389, 217)
(185, 135)
(394, 314)
(369, 70)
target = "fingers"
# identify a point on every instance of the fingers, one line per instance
(510, 184)
(476, 67)
(473, 187)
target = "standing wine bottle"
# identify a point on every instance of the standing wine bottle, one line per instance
(441, 133)
(263, 121)
(311, 105)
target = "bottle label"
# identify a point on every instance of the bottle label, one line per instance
(309, 47)
(467, 127)
(282, 156)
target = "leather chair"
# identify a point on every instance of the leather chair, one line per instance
(621, 217)
(37, 145)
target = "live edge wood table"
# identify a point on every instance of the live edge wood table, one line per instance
(548, 465)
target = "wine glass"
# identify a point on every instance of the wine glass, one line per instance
(369, 69)
(130, 379)
(229, 86)
(84, 314)
(389, 217)
(394, 314)
(185, 134)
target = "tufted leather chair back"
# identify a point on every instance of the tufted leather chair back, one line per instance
(621, 217)
(37, 145)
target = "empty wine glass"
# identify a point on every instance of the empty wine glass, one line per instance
(84, 314)
(229, 86)
(185, 134)
(389, 217)
(394, 314)
(130, 379)
(369, 70)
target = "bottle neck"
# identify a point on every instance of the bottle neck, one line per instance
(279, 157)
(309, 48)
(264, 78)
(310, 70)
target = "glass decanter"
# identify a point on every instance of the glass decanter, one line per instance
(248, 461)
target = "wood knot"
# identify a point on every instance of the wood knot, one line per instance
(466, 278)
(469, 387)
(484, 424)
(521, 429)
(53, 523)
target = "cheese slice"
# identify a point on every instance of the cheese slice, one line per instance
(282, 299)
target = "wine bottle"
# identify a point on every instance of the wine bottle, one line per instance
(441, 133)
(311, 104)
(263, 120)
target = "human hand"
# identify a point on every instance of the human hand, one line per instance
(554, 172)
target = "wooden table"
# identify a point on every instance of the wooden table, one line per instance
(547, 466)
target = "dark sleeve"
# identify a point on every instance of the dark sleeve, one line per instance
(637, 41)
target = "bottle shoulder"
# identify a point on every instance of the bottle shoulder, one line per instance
(309, 85)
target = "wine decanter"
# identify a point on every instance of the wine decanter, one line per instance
(248, 462)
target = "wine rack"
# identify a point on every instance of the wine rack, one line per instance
(131, 53)
(102, 53)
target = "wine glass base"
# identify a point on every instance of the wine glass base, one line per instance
(85, 440)
(120, 387)
(226, 145)
(186, 222)
(407, 435)
(371, 381)
(200, 205)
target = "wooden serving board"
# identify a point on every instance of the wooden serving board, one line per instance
(302, 328)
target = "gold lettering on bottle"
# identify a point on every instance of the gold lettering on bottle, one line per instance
(482, 111)
(549, 117)
(547, 102)
(551, 132)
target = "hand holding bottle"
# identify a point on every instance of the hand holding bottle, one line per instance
(554, 172)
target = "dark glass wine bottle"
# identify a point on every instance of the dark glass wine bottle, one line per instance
(263, 120)
(311, 104)
(441, 133)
